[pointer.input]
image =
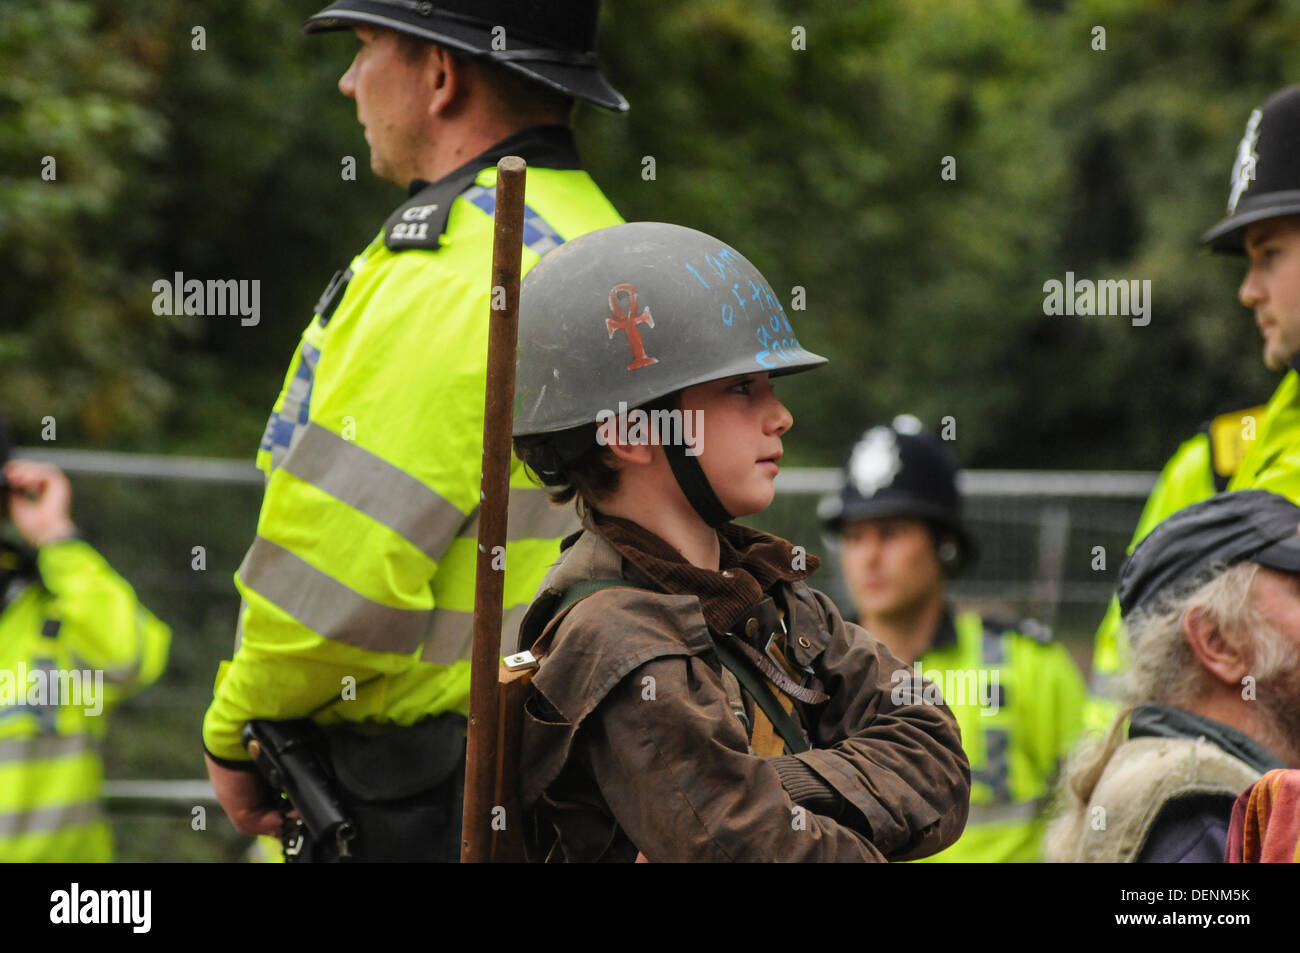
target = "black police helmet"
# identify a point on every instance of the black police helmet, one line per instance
(552, 42)
(897, 470)
(1265, 181)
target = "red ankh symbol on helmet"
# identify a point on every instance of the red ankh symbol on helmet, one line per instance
(627, 321)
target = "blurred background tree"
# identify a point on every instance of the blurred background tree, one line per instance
(821, 163)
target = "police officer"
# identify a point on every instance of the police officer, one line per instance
(74, 641)
(1257, 448)
(1017, 695)
(358, 589)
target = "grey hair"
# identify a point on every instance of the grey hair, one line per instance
(1164, 671)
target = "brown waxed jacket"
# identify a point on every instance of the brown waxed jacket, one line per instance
(629, 742)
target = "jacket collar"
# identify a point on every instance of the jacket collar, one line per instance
(1165, 721)
(547, 147)
(429, 203)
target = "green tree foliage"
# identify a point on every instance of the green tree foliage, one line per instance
(810, 135)
(74, 144)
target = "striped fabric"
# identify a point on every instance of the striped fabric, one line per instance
(285, 426)
(1265, 825)
(539, 236)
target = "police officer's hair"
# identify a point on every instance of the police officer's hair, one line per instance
(517, 96)
(524, 98)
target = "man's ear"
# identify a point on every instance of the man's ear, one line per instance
(448, 79)
(1220, 655)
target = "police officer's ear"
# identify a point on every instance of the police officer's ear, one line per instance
(449, 77)
(949, 552)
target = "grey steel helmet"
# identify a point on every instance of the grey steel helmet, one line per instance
(631, 314)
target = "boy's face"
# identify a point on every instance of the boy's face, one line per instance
(740, 438)
(890, 565)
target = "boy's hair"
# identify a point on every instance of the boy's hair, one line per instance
(574, 464)
(587, 478)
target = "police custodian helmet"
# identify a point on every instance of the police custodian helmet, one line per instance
(1266, 171)
(552, 42)
(897, 470)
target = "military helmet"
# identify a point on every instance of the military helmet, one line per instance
(635, 312)
(1265, 180)
(898, 470)
(552, 42)
(630, 315)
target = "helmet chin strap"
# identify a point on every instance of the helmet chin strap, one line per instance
(690, 477)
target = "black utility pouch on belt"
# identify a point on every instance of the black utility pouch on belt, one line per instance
(400, 792)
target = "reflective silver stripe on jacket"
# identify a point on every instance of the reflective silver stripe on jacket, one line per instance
(372, 485)
(1105, 685)
(1004, 813)
(532, 516)
(48, 818)
(451, 633)
(327, 606)
(38, 747)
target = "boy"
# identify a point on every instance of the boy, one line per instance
(681, 654)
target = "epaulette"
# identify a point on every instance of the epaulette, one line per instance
(1231, 435)
(1032, 628)
(421, 221)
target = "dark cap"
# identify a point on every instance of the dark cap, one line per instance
(552, 42)
(1265, 179)
(1241, 526)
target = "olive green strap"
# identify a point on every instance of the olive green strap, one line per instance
(587, 587)
(755, 684)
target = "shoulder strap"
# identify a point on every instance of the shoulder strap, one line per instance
(756, 685)
(745, 673)
(589, 587)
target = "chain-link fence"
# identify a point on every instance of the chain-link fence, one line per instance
(1050, 544)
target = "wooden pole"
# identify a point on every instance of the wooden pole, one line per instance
(489, 583)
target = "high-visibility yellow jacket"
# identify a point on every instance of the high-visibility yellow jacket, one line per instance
(1018, 699)
(74, 641)
(358, 590)
(1205, 464)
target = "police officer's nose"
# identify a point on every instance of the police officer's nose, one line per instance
(1251, 292)
(347, 82)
